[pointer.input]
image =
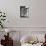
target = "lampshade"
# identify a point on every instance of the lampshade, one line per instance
(7, 30)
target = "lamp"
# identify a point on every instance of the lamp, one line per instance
(7, 31)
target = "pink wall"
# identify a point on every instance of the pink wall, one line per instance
(37, 13)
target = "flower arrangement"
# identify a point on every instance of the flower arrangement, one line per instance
(2, 19)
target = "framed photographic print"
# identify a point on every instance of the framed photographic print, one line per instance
(24, 12)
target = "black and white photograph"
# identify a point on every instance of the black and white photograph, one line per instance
(24, 12)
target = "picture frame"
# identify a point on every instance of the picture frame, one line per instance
(24, 12)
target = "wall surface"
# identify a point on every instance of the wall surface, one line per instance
(37, 13)
(35, 22)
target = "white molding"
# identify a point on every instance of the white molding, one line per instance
(24, 27)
